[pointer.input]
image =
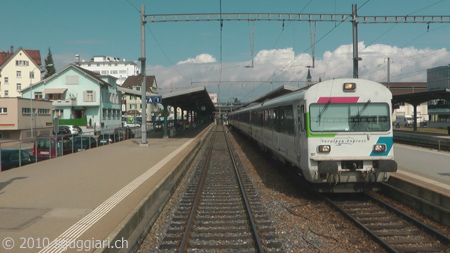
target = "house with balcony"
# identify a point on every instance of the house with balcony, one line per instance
(80, 97)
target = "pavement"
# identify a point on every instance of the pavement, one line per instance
(83, 197)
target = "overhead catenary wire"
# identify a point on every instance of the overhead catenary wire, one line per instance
(159, 45)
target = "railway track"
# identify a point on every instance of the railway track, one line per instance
(392, 229)
(220, 210)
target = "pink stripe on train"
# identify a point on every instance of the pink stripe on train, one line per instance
(337, 100)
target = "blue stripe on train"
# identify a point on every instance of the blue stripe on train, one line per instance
(389, 141)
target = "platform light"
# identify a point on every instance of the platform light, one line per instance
(349, 87)
(379, 148)
(324, 148)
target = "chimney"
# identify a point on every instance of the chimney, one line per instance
(12, 49)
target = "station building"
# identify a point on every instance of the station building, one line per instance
(438, 78)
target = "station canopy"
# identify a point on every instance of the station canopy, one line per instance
(421, 97)
(195, 99)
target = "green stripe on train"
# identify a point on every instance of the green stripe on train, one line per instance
(319, 135)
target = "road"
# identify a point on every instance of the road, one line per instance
(424, 161)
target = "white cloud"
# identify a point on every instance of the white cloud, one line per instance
(283, 66)
(202, 58)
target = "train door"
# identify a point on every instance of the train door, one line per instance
(300, 130)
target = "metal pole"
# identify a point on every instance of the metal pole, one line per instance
(143, 86)
(355, 42)
(31, 105)
(389, 73)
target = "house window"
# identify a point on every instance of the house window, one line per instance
(89, 96)
(138, 87)
(114, 72)
(6, 93)
(104, 114)
(3, 110)
(38, 95)
(19, 74)
(59, 114)
(19, 86)
(6, 80)
(104, 72)
(22, 63)
(26, 111)
(31, 75)
(43, 111)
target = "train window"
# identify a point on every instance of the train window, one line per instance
(349, 117)
(268, 119)
(288, 122)
(276, 119)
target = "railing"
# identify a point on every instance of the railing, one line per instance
(27, 145)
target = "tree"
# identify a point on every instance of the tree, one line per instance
(49, 65)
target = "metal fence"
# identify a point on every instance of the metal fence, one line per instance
(17, 153)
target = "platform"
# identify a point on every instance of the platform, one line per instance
(90, 196)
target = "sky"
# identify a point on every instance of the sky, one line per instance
(190, 54)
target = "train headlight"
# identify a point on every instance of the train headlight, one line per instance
(349, 87)
(324, 148)
(379, 147)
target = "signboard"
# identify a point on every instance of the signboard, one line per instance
(154, 99)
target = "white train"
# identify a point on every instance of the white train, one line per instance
(338, 133)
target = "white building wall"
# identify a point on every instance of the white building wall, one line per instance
(408, 109)
(106, 65)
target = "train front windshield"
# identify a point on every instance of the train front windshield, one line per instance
(337, 117)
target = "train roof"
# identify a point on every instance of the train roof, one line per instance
(316, 91)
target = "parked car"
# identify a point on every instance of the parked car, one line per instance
(75, 130)
(10, 158)
(123, 133)
(47, 147)
(105, 139)
(81, 143)
(63, 130)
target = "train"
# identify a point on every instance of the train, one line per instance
(337, 134)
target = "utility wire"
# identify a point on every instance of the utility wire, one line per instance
(159, 45)
(426, 7)
(133, 6)
(279, 36)
(295, 58)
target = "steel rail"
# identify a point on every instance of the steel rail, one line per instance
(198, 194)
(441, 237)
(244, 197)
(380, 241)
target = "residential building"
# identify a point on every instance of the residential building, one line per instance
(17, 121)
(77, 93)
(106, 65)
(18, 70)
(132, 104)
